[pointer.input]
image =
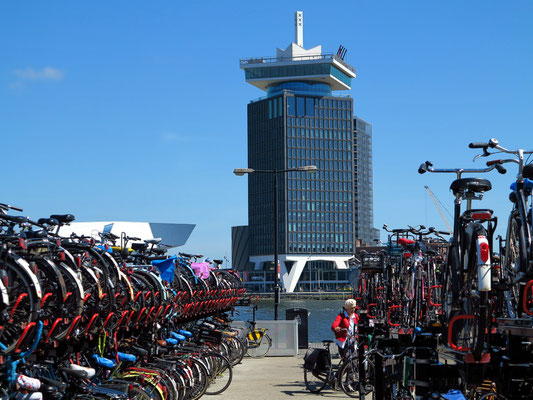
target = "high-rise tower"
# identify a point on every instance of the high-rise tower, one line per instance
(301, 122)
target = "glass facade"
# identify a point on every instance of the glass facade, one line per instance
(317, 212)
(283, 71)
(363, 176)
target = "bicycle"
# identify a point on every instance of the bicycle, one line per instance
(259, 342)
(319, 370)
(518, 255)
(467, 281)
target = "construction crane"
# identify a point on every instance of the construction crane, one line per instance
(438, 208)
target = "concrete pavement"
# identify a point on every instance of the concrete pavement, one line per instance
(272, 378)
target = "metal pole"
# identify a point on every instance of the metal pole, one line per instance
(276, 256)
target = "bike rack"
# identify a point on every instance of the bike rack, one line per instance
(450, 329)
(368, 310)
(429, 295)
(524, 298)
(389, 313)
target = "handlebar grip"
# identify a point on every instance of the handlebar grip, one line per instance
(478, 145)
(494, 162)
(501, 169)
(424, 167)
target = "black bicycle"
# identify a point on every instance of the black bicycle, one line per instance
(468, 274)
(518, 255)
(320, 371)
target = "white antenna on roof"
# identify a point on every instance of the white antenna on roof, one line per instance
(299, 28)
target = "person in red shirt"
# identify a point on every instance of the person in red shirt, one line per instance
(345, 327)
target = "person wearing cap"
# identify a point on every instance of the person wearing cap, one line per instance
(344, 326)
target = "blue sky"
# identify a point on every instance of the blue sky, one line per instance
(132, 110)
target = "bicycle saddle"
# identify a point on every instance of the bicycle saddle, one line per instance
(48, 221)
(177, 336)
(126, 357)
(58, 385)
(476, 185)
(405, 242)
(185, 333)
(63, 219)
(103, 362)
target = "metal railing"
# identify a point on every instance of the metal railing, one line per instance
(308, 57)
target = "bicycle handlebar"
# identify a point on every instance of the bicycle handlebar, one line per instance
(478, 145)
(376, 351)
(427, 167)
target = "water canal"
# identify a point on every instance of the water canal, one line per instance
(321, 314)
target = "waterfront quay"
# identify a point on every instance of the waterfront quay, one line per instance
(273, 378)
(305, 295)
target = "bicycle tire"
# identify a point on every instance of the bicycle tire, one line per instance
(316, 380)
(24, 296)
(348, 378)
(515, 244)
(238, 351)
(220, 374)
(259, 350)
(199, 380)
(479, 336)
(137, 393)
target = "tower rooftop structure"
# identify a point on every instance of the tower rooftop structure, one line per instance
(296, 64)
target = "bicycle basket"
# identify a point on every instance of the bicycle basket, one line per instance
(316, 359)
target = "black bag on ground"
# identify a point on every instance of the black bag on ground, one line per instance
(316, 359)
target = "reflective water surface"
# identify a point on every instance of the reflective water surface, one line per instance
(320, 317)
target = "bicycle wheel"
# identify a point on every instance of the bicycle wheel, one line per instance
(480, 328)
(220, 374)
(23, 292)
(515, 260)
(348, 378)
(316, 380)
(259, 348)
(237, 351)
(137, 393)
(199, 380)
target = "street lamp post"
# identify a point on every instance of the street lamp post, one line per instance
(275, 172)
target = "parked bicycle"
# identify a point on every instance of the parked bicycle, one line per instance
(319, 370)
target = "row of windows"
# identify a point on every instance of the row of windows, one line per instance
(321, 248)
(320, 227)
(309, 205)
(322, 123)
(319, 133)
(320, 144)
(322, 206)
(284, 71)
(310, 107)
(323, 103)
(314, 123)
(319, 185)
(321, 196)
(320, 154)
(320, 237)
(322, 167)
(342, 176)
(275, 108)
(322, 215)
(326, 216)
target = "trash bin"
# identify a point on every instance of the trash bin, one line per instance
(300, 314)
